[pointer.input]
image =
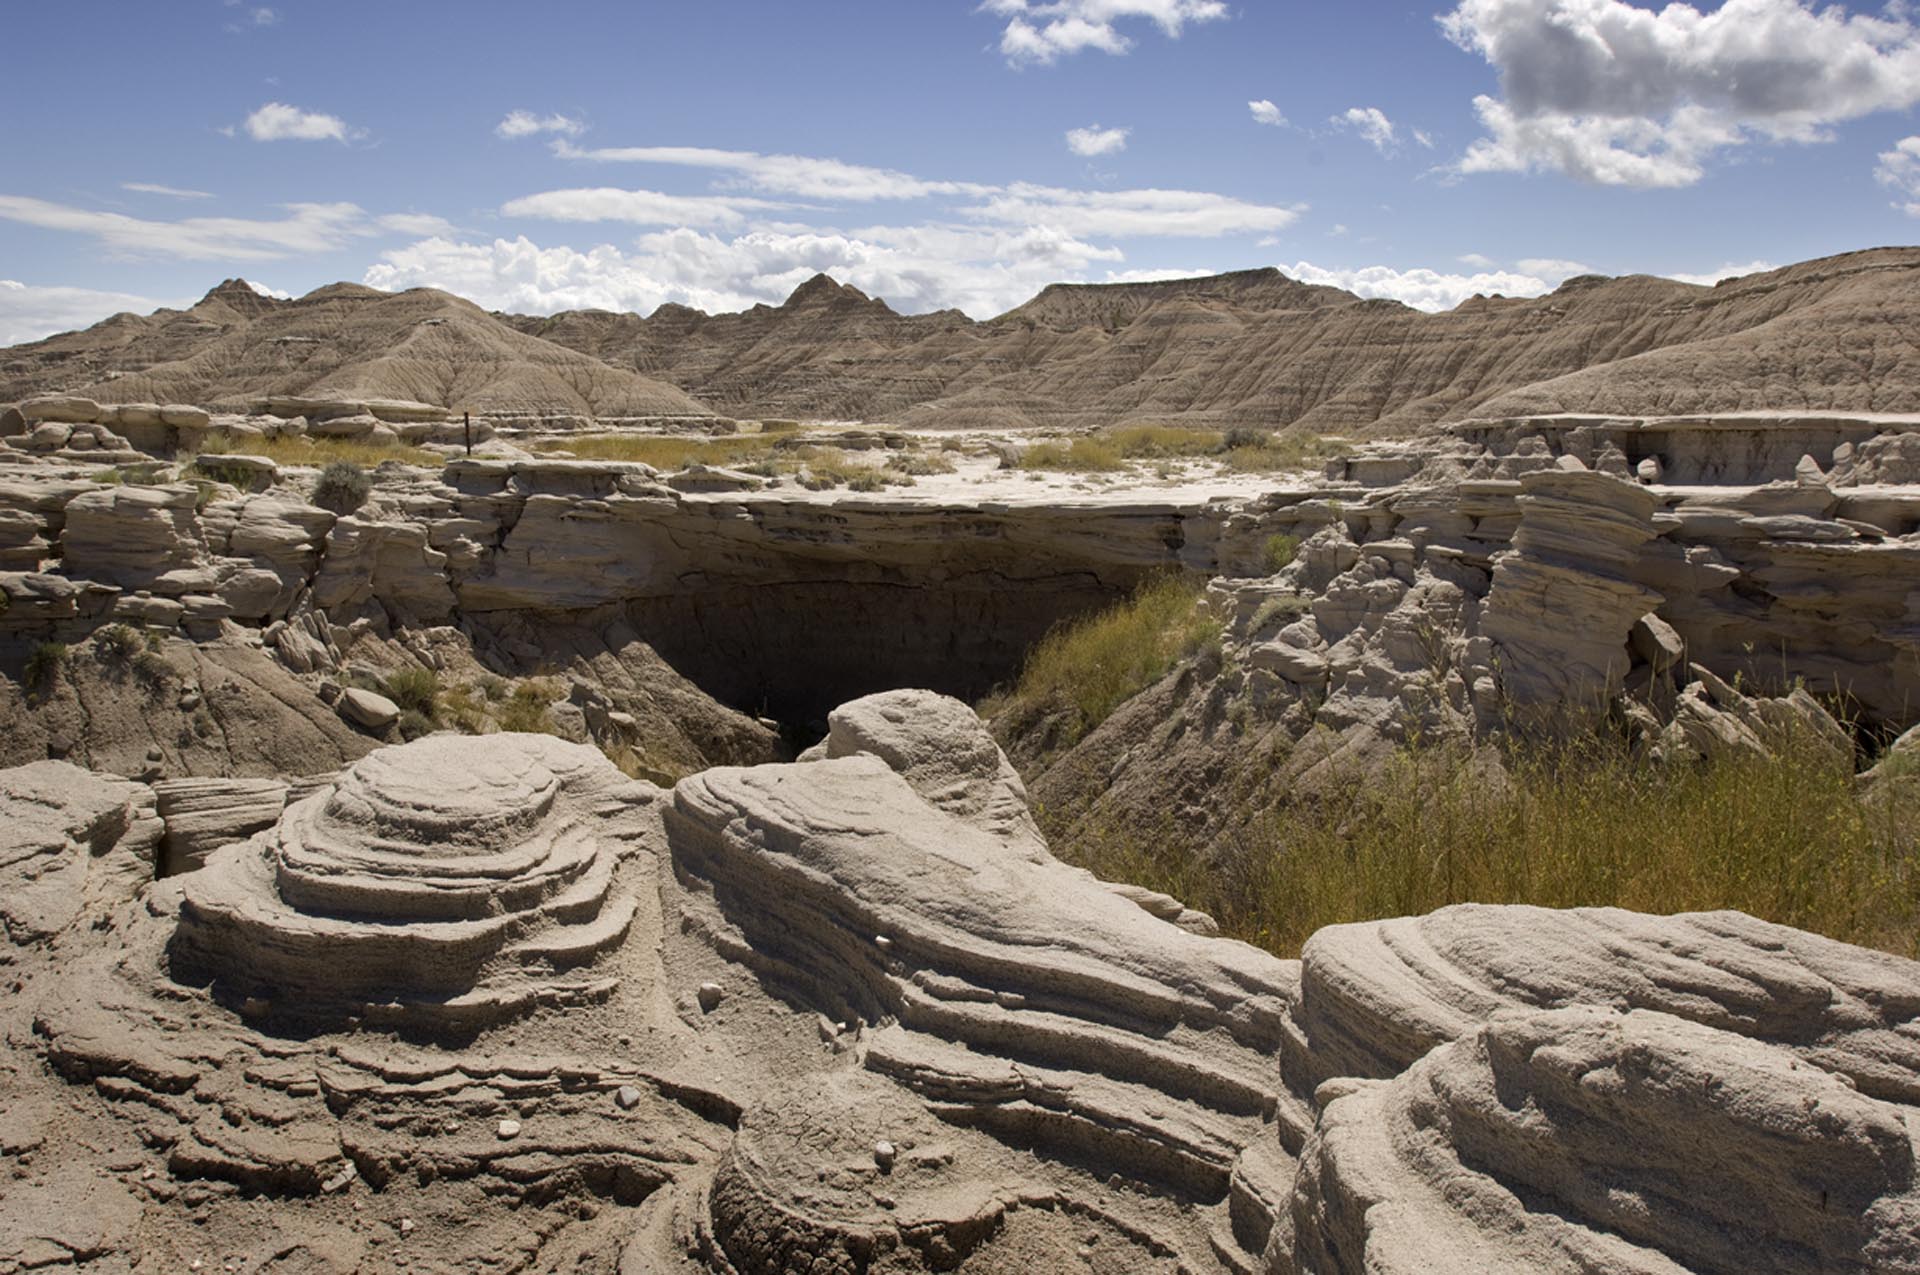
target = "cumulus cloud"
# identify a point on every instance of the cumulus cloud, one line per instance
(1554, 268)
(307, 228)
(155, 188)
(29, 312)
(1423, 289)
(1899, 171)
(916, 268)
(1478, 260)
(1097, 140)
(1040, 32)
(278, 122)
(1711, 277)
(527, 124)
(266, 290)
(1611, 93)
(1265, 112)
(1371, 123)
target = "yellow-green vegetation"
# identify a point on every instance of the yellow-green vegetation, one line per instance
(1087, 455)
(44, 665)
(317, 452)
(667, 452)
(525, 708)
(1255, 451)
(1239, 449)
(1278, 552)
(1787, 838)
(1090, 666)
(117, 644)
(414, 689)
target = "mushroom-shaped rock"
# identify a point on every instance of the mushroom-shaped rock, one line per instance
(450, 880)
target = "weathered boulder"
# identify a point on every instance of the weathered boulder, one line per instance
(72, 841)
(368, 708)
(201, 815)
(450, 881)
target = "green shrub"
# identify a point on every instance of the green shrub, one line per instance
(526, 709)
(1593, 824)
(1094, 664)
(116, 644)
(413, 690)
(1081, 456)
(868, 480)
(44, 665)
(1289, 608)
(414, 724)
(1277, 553)
(152, 668)
(342, 487)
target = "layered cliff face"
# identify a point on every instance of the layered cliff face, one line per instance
(498, 1004)
(1257, 349)
(338, 343)
(1252, 349)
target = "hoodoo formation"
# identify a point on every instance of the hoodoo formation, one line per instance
(659, 836)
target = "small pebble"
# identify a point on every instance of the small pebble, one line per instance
(710, 995)
(882, 942)
(883, 1155)
(626, 1097)
(406, 1226)
(509, 1129)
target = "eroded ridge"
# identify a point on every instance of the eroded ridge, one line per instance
(448, 882)
(1518, 1088)
(1009, 992)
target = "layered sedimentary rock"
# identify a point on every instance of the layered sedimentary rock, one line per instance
(449, 883)
(72, 840)
(1524, 1089)
(851, 1014)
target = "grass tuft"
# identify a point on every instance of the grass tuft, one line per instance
(1593, 824)
(1090, 666)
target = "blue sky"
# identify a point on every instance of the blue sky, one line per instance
(935, 153)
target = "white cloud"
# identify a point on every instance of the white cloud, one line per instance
(1130, 212)
(1424, 138)
(1339, 231)
(1265, 112)
(806, 176)
(265, 290)
(1611, 93)
(1477, 260)
(155, 188)
(414, 224)
(1121, 212)
(1899, 171)
(915, 268)
(1039, 32)
(263, 17)
(641, 207)
(527, 124)
(278, 122)
(307, 228)
(1423, 289)
(1712, 277)
(29, 312)
(1097, 140)
(1371, 123)
(1553, 268)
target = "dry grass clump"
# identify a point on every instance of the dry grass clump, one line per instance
(1255, 451)
(317, 452)
(1245, 450)
(1092, 665)
(1081, 456)
(668, 454)
(1786, 838)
